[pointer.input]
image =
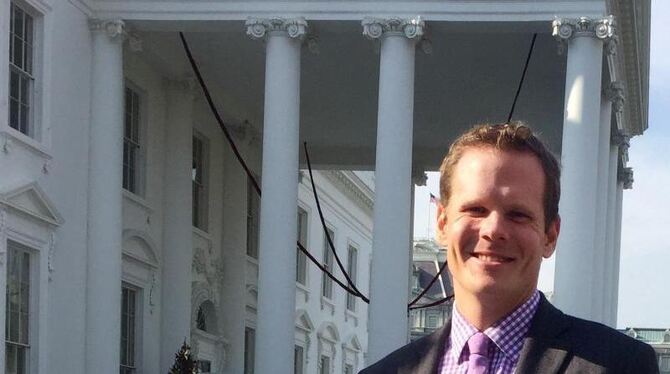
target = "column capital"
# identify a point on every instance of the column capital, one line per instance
(564, 29)
(625, 176)
(115, 28)
(259, 28)
(615, 93)
(419, 176)
(412, 28)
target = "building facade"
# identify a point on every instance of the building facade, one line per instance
(659, 339)
(120, 193)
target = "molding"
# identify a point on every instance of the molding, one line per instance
(411, 28)
(3, 236)
(625, 176)
(50, 216)
(83, 6)
(114, 29)
(260, 28)
(352, 187)
(565, 29)
(50, 253)
(633, 58)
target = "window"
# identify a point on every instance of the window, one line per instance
(253, 210)
(131, 141)
(664, 363)
(300, 257)
(327, 283)
(352, 270)
(324, 365)
(249, 344)
(298, 360)
(21, 81)
(128, 329)
(199, 177)
(205, 366)
(431, 321)
(201, 320)
(17, 320)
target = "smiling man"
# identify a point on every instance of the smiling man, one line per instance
(498, 218)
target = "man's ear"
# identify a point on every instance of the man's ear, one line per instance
(551, 237)
(441, 224)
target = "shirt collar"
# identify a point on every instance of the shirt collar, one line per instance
(507, 334)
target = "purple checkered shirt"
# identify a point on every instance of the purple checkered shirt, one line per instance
(507, 335)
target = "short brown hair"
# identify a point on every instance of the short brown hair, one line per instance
(514, 136)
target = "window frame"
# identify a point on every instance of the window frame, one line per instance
(200, 212)
(295, 359)
(137, 333)
(249, 356)
(328, 263)
(139, 167)
(31, 333)
(35, 137)
(302, 237)
(253, 220)
(352, 271)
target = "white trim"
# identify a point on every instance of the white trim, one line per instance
(347, 10)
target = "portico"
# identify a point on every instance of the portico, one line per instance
(385, 93)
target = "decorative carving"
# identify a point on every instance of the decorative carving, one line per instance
(312, 44)
(50, 254)
(199, 261)
(113, 28)
(622, 140)
(3, 242)
(7, 144)
(615, 93)
(412, 28)
(564, 29)
(259, 28)
(625, 176)
(151, 292)
(46, 166)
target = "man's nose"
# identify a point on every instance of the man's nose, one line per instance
(493, 227)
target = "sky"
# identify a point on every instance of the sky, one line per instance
(644, 296)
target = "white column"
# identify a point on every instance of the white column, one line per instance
(600, 286)
(614, 95)
(576, 255)
(387, 326)
(103, 291)
(275, 333)
(177, 222)
(625, 181)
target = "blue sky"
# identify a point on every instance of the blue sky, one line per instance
(645, 251)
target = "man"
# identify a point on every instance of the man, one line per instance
(498, 218)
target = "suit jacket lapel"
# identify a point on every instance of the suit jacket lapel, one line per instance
(543, 351)
(427, 355)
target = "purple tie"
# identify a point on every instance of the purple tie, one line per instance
(478, 361)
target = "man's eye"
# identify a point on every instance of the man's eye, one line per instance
(475, 210)
(519, 216)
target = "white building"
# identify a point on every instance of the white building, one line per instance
(379, 85)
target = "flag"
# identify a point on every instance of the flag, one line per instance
(434, 199)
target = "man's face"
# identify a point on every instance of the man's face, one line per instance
(493, 225)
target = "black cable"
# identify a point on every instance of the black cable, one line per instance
(323, 224)
(523, 76)
(438, 302)
(435, 278)
(205, 90)
(222, 125)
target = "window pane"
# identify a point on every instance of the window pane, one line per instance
(18, 21)
(18, 52)
(298, 360)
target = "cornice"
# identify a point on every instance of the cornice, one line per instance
(353, 187)
(633, 59)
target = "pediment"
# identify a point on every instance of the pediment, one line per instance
(32, 200)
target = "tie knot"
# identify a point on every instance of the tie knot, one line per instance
(479, 344)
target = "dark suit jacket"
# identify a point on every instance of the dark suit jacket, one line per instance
(556, 343)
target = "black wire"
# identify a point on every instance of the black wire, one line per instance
(222, 125)
(523, 76)
(323, 224)
(205, 91)
(444, 266)
(438, 302)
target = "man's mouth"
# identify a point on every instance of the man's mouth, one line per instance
(491, 258)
